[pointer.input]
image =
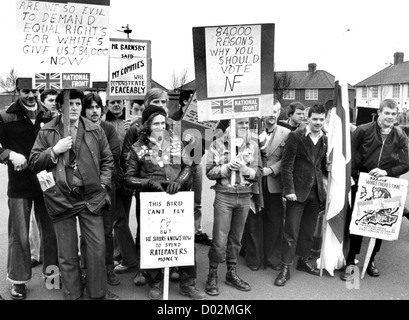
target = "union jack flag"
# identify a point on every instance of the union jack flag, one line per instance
(222, 106)
(47, 81)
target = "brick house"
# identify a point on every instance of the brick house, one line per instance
(391, 82)
(311, 87)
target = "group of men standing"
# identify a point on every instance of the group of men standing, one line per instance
(274, 182)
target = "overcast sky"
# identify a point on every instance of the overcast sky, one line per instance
(305, 32)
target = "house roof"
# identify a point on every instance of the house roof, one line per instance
(319, 79)
(393, 74)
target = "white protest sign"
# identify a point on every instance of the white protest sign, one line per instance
(234, 68)
(378, 207)
(63, 38)
(129, 68)
(167, 229)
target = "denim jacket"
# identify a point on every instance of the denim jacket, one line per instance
(217, 161)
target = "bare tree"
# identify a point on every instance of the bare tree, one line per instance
(8, 83)
(178, 81)
(282, 81)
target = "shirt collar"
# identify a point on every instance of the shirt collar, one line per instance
(308, 131)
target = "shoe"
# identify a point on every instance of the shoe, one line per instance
(18, 291)
(203, 238)
(1, 298)
(193, 293)
(108, 296)
(155, 292)
(139, 279)
(254, 268)
(232, 279)
(304, 265)
(120, 268)
(174, 274)
(211, 284)
(283, 276)
(372, 270)
(112, 279)
(348, 273)
(35, 263)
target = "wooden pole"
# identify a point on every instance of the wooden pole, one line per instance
(66, 121)
(233, 148)
(371, 246)
(166, 284)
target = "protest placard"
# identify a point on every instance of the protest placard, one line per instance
(234, 67)
(201, 130)
(167, 229)
(378, 207)
(60, 40)
(129, 68)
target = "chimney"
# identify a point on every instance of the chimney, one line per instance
(312, 67)
(397, 58)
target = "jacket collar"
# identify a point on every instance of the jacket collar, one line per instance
(109, 116)
(18, 106)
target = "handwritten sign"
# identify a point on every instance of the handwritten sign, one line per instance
(63, 37)
(167, 229)
(378, 207)
(234, 68)
(129, 68)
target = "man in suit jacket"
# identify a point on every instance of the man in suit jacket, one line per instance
(302, 167)
(263, 235)
(272, 152)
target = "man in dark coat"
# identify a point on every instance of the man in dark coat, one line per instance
(19, 126)
(302, 166)
(80, 190)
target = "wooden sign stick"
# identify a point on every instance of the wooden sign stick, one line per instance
(166, 284)
(371, 246)
(66, 121)
(233, 147)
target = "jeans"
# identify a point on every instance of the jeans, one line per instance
(92, 230)
(19, 255)
(300, 223)
(197, 185)
(230, 214)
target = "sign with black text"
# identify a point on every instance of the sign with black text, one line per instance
(167, 229)
(129, 68)
(378, 207)
(56, 37)
(234, 70)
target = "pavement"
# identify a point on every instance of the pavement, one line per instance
(393, 284)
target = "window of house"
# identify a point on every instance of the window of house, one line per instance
(289, 95)
(364, 93)
(311, 94)
(374, 92)
(396, 91)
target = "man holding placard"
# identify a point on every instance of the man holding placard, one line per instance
(232, 200)
(381, 149)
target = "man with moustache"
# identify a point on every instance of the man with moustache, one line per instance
(19, 126)
(303, 165)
